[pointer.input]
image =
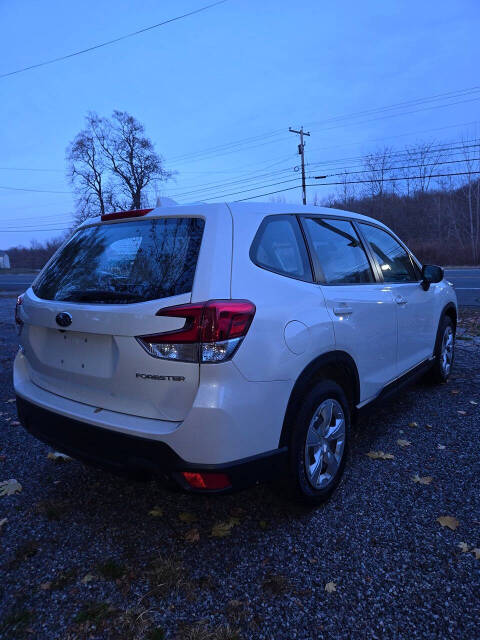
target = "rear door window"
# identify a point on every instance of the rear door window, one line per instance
(338, 251)
(279, 247)
(124, 262)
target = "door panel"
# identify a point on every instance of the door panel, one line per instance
(415, 306)
(416, 330)
(362, 310)
(365, 326)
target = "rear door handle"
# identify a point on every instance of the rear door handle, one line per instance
(400, 300)
(342, 311)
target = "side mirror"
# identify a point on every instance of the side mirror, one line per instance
(430, 274)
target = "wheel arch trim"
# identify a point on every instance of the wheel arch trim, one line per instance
(337, 365)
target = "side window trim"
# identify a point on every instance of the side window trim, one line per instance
(413, 261)
(319, 277)
(302, 244)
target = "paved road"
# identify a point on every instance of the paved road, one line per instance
(15, 283)
(466, 281)
(467, 285)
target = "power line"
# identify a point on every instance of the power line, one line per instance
(407, 103)
(436, 175)
(209, 187)
(109, 42)
(439, 175)
(413, 166)
(401, 113)
(32, 190)
(32, 230)
(30, 169)
(438, 148)
(233, 147)
(270, 193)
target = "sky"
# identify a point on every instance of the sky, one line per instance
(217, 91)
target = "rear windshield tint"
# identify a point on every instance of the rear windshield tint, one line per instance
(124, 262)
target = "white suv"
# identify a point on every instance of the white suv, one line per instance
(217, 345)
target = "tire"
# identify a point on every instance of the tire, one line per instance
(316, 469)
(444, 351)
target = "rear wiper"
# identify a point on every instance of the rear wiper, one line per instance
(100, 295)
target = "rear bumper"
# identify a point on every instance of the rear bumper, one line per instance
(127, 454)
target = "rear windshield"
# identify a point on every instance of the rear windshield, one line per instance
(124, 262)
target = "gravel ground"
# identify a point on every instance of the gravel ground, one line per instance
(88, 555)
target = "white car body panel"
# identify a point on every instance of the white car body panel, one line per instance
(221, 412)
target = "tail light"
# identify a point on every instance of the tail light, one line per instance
(18, 319)
(212, 331)
(208, 481)
(117, 215)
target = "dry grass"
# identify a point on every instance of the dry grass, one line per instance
(468, 323)
(202, 632)
(167, 574)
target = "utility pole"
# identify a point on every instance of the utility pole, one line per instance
(301, 153)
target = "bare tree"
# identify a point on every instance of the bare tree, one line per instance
(422, 161)
(471, 192)
(378, 168)
(112, 164)
(130, 155)
(86, 171)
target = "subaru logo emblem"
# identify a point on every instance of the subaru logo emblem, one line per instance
(64, 319)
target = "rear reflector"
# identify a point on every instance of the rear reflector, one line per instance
(207, 480)
(212, 331)
(18, 319)
(134, 213)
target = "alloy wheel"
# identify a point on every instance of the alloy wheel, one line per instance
(325, 443)
(446, 354)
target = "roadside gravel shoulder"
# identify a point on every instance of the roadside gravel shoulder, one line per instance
(87, 555)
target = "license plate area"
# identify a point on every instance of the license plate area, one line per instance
(74, 352)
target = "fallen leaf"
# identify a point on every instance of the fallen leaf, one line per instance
(185, 516)
(441, 446)
(413, 424)
(262, 524)
(45, 586)
(58, 457)
(455, 391)
(428, 426)
(476, 553)
(156, 512)
(222, 529)
(380, 455)
(448, 521)
(9, 487)
(422, 479)
(403, 443)
(462, 413)
(192, 536)
(88, 578)
(464, 547)
(330, 587)
(473, 402)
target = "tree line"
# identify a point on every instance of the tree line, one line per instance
(428, 193)
(435, 214)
